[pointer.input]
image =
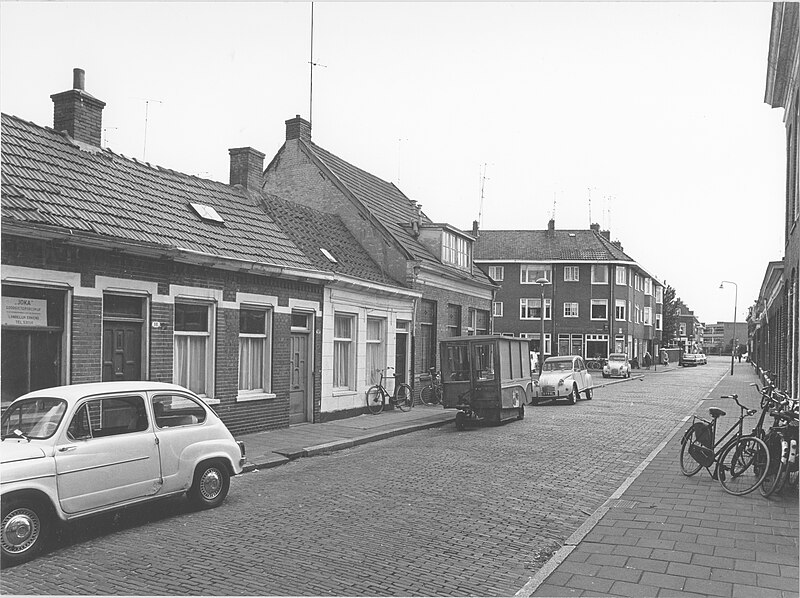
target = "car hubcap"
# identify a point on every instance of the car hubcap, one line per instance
(20, 530)
(210, 484)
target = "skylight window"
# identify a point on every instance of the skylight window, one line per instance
(328, 255)
(206, 212)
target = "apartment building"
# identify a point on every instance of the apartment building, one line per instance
(572, 292)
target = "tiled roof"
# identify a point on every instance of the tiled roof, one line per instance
(545, 245)
(312, 230)
(48, 181)
(390, 206)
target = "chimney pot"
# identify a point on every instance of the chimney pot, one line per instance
(552, 224)
(298, 128)
(78, 78)
(474, 228)
(247, 167)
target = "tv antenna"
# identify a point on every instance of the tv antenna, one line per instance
(483, 185)
(146, 116)
(312, 64)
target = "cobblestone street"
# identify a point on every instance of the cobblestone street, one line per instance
(435, 512)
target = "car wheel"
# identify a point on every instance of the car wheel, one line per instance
(25, 529)
(461, 420)
(605, 375)
(521, 414)
(573, 396)
(210, 486)
(588, 394)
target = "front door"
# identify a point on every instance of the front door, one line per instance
(122, 351)
(400, 365)
(298, 385)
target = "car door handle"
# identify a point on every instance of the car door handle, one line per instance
(67, 448)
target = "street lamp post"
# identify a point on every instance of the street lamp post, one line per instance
(541, 282)
(735, 303)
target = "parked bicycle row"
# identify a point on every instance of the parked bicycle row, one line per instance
(766, 458)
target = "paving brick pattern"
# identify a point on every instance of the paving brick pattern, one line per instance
(679, 536)
(446, 513)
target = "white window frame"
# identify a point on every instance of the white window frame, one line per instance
(623, 305)
(525, 270)
(350, 344)
(572, 274)
(568, 309)
(456, 250)
(648, 286)
(250, 394)
(621, 273)
(637, 319)
(497, 273)
(210, 345)
(597, 268)
(658, 322)
(604, 303)
(659, 294)
(528, 304)
(648, 316)
(371, 376)
(497, 309)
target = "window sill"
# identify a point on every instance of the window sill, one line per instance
(341, 392)
(210, 401)
(254, 396)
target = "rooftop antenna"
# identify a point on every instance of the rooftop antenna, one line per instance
(311, 70)
(554, 205)
(483, 184)
(590, 207)
(146, 116)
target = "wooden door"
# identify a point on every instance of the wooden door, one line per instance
(122, 351)
(299, 383)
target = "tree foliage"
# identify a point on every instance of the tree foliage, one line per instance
(669, 317)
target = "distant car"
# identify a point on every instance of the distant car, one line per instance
(563, 377)
(77, 450)
(693, 359)
(617, 365)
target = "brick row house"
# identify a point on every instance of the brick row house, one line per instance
(775, 318)
(597, 299)
(433, 259)
(689, 336)
(113, 269)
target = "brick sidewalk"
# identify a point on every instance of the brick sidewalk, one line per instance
(664, 534)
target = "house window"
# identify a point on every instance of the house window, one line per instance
(648, 286)
(456, 250)
(619, 310)
(530, 273)
(254, 351)
(599, 274)
(621, 275)
(496, 273)
(343, 353)
(531, 309)
(571, 274)
(453, 320)
(599, 309)
(193, 364)
(659, 294)
(376, 349)
(658, 322)
(481, 321)
(637, 314)
(682, 330)
(571, 310)
(648, 316)
(427, 335)
(497, 309)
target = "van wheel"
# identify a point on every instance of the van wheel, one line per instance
(521, 414)
(210, 486)
(588, 394)
(25, 528)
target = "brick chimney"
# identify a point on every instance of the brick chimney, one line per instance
(551, 226)
(475, 228)
(298, 128)
(78, 113)
(247, 167)
(595, 227)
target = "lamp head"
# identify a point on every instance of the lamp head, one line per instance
(720, 285)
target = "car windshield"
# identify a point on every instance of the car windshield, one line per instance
(617, 357)
(35, 418)
(560, 365)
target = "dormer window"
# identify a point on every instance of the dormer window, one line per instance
(456, 250)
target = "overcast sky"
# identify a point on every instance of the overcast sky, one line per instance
(647, 118)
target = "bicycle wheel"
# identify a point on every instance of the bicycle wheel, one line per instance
(428, 396)
(689, 465)
(376, 397)
(437, 393)
(743, 465)
(404, 397)
(775, 471)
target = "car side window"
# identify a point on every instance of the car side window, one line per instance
(108, 416)
(174, 410)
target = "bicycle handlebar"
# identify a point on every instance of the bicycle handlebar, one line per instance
(744, 409)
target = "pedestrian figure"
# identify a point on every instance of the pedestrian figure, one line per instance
(647, 360)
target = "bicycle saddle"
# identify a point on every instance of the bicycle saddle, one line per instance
(715, 413)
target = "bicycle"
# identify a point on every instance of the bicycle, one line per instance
(741, 462)
(432, 393)
(781, 441)
(377, 395)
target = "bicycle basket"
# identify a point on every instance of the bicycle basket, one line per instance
(700, 449)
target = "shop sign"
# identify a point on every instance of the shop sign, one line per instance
(20, 311)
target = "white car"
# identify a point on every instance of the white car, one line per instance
(563, 377)
(77, 450)
(617, 365)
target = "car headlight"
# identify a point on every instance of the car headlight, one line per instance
(561, 382)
